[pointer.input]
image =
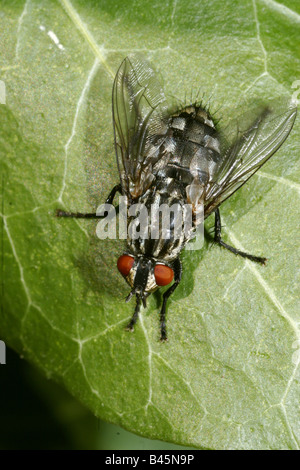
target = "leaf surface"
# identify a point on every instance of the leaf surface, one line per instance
(229, 376)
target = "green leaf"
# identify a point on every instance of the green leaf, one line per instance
(229, 376)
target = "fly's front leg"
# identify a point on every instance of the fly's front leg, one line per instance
(177, 267)
(93, 215)
(130, 326)
(218, 240)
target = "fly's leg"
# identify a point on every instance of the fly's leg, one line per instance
(218, 240)
(93, 215)
(177, 277)
(130, 326)
(77, 215)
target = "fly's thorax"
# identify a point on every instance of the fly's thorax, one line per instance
(159, 232)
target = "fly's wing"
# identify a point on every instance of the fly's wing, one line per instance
(139, 107)
(249, 151)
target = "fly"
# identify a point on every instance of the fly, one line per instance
(178, 157)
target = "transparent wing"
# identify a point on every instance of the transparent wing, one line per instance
(139, 109)
(249, 151)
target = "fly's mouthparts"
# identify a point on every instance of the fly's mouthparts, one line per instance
(128, 298)
(139, 295)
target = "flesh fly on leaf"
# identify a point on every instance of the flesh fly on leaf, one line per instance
(179, 157)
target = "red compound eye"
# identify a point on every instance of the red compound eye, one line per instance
(124, 264)
(163, 274)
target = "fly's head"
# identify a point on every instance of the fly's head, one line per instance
(144, 275)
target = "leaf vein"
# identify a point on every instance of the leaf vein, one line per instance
(99, 52)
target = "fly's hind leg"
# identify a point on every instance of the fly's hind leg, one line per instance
(93, 215)
(177, 277)
(219, 240)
